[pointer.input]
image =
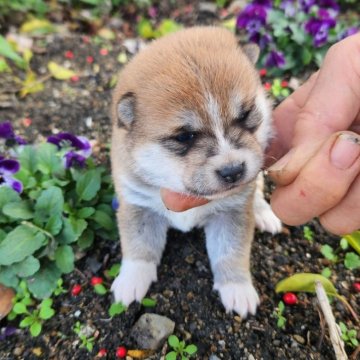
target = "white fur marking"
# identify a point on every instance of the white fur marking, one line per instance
(239, 297)
(134, 281)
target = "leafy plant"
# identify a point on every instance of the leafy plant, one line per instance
(349, 336)
(308, 234)
(57, 201)
(147, 31)
(86, 341)
(32, 317)
(279, 315)
(293, 34)
(116, 309)
(180, 349)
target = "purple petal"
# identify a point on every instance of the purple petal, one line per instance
(115, 203)
(12, 183)
(9, 167)
(275, 59)
(70, 140)
(20, 140)
(74, 159)
(6, 130)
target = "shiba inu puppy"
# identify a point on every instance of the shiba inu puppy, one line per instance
(190, 117)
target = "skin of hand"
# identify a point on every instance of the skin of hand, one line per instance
(317, 145)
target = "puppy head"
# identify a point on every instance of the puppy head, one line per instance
(193, 114)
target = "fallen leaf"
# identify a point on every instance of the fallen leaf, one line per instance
(106, 33)
(31, 84)
(37, 26)
(6, 304)
(59, 72)
(140, 354)
(7, 51)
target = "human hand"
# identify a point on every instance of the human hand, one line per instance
(318, 144)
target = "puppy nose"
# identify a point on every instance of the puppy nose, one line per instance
(232, 173)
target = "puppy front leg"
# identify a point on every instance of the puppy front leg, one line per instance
(228, 242)
(143, 238)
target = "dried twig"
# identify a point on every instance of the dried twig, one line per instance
(334, 330)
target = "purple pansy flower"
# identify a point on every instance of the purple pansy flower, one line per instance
(8, 168)
(348, 32)
(79, 148)
(306, 5)
(261, 39)
(7, 331)
(266, 3)
(252, 18)
(115, 203)
(275, 59)
(289, 7)
(319, 27)
(7, 133)
(329, 4)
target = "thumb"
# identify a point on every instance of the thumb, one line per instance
(332, 105)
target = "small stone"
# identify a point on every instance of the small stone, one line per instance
(299, 339)
(37, 351)
(213, 357)
(251, 357)
(77, 313)
(222, 343)
(190, 259)
(87, 331)
(18, 351)
(208, 7)
(276, 342)
(237, 318)
(151, 331)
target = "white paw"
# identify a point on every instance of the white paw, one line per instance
(265, 218)
(239, 297)
(133, 281)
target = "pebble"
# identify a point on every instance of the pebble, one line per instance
(213, 357)
(251, 357)
(18, 351)
(276, 342)
(87, 331)
(222, 343)
(77, 313)
(299, 339)
(151, 331)
(207, 7)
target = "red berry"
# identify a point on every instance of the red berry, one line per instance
(356, 286)
(95, 280)
(69, 54)
(86, 39)
(267, 86)
(76, 290)
(102, 352)
(89, 59)
(75, 78)
(290, 298)
(27, 122)
(104, 52)
(262, 72)
(284, 84)
(121, 352)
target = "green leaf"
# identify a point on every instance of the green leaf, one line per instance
(145, 29)
(171, 355)
(114, 271)
(88, 185)
(191, 349)
(49, 203)
(8, 195)
(48, 161)
(7, 51)
(20, 308)
(344, 244)
(44, 282)
(305, 282)
(54, 224)
(59, 72)
(85, 212)
(281, 307)
(86, 239)
(8, 277)
(64, 258)
(100, 289)
(27, 267)
(326, 272)
(46, 313)
(37, 26)
(352, 261)
(35, 329)
(72, 230)
(353, 239)
(173, 341)
(27, 321)
(328, 252)
(167, 26)
(28, 159)
(19, 244)
(19, 210)
(103, 219)
(147, 302)
(116, 309)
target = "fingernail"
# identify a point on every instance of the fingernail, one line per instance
(345, 151)
(280, 164)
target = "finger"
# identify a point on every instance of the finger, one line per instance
(347, 211)
(180, 202)
(332, 105)
(284, 119)
(322, 183)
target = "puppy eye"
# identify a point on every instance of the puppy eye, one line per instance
(185, 137)
(242, 116)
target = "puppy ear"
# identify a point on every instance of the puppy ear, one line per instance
(125, 110)
(252, 51)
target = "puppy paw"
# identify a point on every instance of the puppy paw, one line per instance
(133, 281)
(239, 297)
(265, 218)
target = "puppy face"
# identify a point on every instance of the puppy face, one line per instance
(193, 114)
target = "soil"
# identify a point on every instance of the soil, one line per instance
(184, 288)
